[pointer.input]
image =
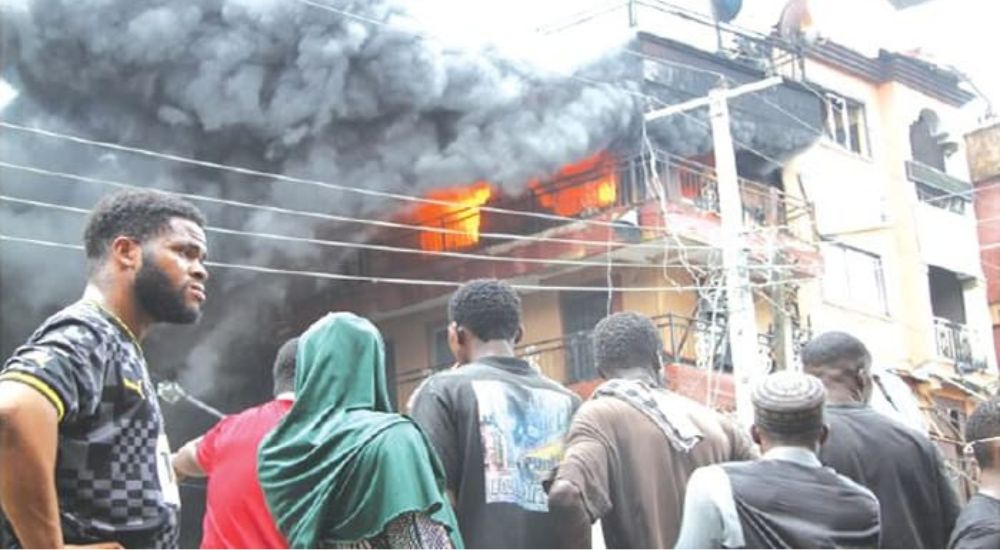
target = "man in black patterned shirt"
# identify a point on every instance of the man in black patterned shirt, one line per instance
(85, 458)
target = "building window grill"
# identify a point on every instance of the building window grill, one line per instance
(846, 124)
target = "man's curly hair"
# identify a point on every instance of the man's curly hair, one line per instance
(627, 340)
(135, 214)
(984, 423)
(488, 308)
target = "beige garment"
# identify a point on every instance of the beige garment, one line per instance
(629, 474)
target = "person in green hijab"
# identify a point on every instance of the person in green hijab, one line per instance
(342, 469)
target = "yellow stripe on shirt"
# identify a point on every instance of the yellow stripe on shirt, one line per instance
(39, 385)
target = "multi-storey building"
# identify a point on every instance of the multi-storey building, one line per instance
(857, 216)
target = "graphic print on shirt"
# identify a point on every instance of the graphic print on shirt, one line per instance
(522, 431)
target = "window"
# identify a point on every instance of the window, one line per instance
(846, 124)
(441, 357)
(581, 311)
(854, 278)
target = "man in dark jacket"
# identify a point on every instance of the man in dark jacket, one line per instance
(901, 466)
(787, 499)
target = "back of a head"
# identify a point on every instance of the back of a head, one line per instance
(982, 425)
(788, 408)
(836, 357)
(488, 308)
(626, 340)
(139, 215)
(284, 367)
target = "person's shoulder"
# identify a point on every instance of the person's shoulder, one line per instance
(606, 410)
(551, 384)
(709, 476)
(77, 323)
(397, 436)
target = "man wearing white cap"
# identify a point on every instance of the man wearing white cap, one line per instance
(787, 499)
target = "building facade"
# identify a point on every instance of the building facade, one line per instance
(857, 216)
(984, 167)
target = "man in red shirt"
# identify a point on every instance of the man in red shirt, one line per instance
(236, 515)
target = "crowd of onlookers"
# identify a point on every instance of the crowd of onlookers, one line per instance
(492, 454)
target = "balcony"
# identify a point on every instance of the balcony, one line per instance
(693, 350)
(960, 345)
(938, 189)
(615, 185)
(570, 359)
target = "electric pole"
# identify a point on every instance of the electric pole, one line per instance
(742, 318)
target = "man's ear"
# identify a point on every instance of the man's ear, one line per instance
(755, 434)
(866, 383)
(824, 433)
(519, 334)
(126, 253)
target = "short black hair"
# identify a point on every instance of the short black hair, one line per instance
(984, 423)
(284, 366)
(489, 308)
(627, 339)
(135, 214)
(836, 355)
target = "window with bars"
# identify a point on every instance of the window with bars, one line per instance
(441, 357)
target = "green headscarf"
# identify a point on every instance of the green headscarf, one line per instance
(341, 465)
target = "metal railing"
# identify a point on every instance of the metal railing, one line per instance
(683, 182)
(959, 344)
(939, 189)
(569, 358)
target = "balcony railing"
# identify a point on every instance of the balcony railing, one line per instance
(959, 344)
(683, 182)
(938, 189)
(570, 358)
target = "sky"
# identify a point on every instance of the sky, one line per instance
(960, 33)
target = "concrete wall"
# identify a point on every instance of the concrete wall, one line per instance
(984, 166)
(867, 202)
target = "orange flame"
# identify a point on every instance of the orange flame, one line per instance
(462, 216)
(589, 184)
(586, 185)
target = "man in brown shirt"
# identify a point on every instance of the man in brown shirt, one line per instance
(634, 444)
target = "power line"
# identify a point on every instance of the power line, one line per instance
(426, 36)
(966, 193)
(303, 181)
(404, 281)
(325, 216)
(381, 248)
(365, 246)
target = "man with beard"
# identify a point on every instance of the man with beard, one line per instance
(85, 458)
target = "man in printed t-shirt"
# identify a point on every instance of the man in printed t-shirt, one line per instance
(496, 423)
(85, 459)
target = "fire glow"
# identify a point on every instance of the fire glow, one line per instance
(462, 215)
(587, 185)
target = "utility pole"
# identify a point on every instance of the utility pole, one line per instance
(742, 318)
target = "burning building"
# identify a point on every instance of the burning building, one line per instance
(551, 182)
